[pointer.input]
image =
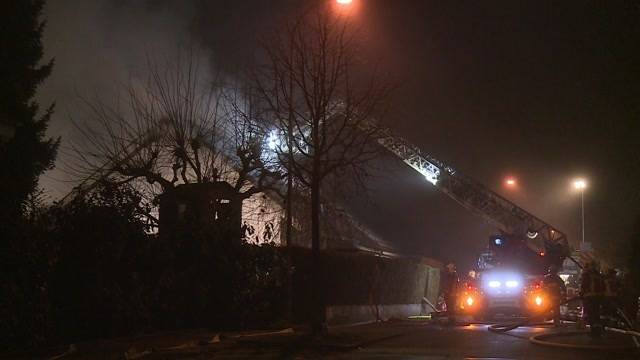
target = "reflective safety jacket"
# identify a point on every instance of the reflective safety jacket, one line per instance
(591, 284)
(611, 286)
(554, 286)
(450, 283)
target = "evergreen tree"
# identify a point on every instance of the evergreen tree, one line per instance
(25, 153)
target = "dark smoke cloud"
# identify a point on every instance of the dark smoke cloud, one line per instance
(544, 91)
(100, 46)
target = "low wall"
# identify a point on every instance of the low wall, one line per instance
(351, 314)
(361, 287)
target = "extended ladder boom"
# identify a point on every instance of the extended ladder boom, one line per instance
(500, 212)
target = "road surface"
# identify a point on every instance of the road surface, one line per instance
(409, 340)
(425, 340)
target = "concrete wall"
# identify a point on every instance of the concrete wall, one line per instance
(362, 287)
(432, 288)
(353, 314)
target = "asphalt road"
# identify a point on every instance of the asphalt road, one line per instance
(423, 340)
(429, 341)
(407, 340)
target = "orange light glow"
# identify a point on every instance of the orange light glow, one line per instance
(345, 8)
(510, 182)
(469, 301)
(538, 300)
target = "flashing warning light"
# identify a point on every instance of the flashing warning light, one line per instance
(542, 253)
(344, 2)
(469, 300)
(511, 283)
(538, 300)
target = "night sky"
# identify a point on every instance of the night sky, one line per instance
(544, 91)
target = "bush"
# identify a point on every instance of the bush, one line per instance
(26, 257)
(91, 269)
(95, 283)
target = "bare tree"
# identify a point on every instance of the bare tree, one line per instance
(178, 127)
(321, 110)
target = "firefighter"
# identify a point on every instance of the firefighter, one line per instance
(451, 290)
(556, 289)
(629, 296)
(611, 294)
(591, 290)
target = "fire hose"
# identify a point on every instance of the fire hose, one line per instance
(542, 339)
(527, 321)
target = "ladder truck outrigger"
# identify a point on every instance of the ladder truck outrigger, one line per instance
(512, 266)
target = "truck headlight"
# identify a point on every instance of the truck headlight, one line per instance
(511, 284)
(494, 284)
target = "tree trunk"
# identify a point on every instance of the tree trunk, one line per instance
(318, 325)
(288, 234)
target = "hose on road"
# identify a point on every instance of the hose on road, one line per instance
(543, 339)
(526, 321)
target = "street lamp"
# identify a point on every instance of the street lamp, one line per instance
(345, 7)
(581, 184)
(510, 182)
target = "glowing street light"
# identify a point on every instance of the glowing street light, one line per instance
(345, 7)
(581, 184)
(510, 182)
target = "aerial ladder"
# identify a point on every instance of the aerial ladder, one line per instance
(510, 219)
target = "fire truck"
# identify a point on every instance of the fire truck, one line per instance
(511, 269)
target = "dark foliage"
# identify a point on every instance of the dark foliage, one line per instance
(95, 283)
(89, 269)
(26, 259)
(25, 251)
(24, 151)
(631, 280)
(212, 281)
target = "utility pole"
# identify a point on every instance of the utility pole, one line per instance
(582, 206)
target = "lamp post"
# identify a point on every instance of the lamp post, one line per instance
(581, 184)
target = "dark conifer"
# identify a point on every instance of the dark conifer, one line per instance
(25, 152)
